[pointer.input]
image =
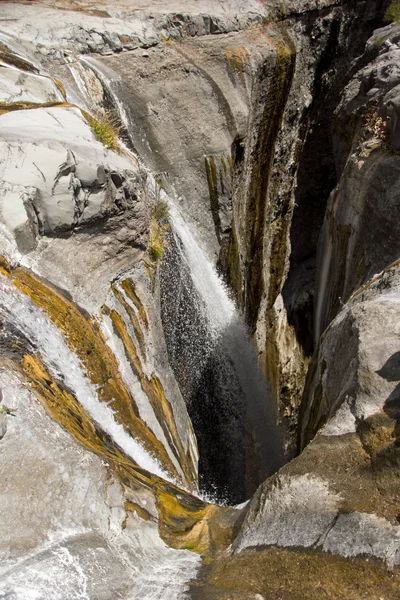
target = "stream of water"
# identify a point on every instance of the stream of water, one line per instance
(210, 351)
(216, 366)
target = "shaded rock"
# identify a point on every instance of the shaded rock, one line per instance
(371, 94)
(360, 236)
(350, 364)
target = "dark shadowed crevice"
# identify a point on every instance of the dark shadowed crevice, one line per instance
(224, 391)
(317, 175)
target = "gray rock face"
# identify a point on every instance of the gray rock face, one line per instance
(113, 27)
(372, 94)
(186, 137)
(350, 364)
(71, 172)
(292, 512)
(360, 236)
(17, 86)
(71, 183)
(349, 417)
(77, 215)
(3, 424)
(341, 493)
(360, 233)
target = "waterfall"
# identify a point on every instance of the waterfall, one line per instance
(216, 366)
(209, 349)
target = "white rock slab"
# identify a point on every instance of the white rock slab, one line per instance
(21, 86)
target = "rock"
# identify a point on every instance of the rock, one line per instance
(372, 93)
(195, 164)
(3, 423)
(340, 494)
(72, 535)
(221, 121)
(61, 189)
(358, 345)
(18, 86)
(360, 236)
(292, 511)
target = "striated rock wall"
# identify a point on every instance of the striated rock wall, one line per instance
(275, 278)
(360, 235)
(235, 127)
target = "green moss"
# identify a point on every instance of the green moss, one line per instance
(256, 213)
(234, 274)
(9, 107)
(159, 228)
(277, 12)
(236, 59)
(379, 41)
(393, 12)
(144, 514)
(377, 433)
(129, 288)
(212, 180)
(17, 61)
(374, 279)
(84, 337)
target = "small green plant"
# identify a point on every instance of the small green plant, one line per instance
(392, 14)
(159, 227)
(277, 12)
(106, 128)
(160, 211)
(379, 41)
(166, 40)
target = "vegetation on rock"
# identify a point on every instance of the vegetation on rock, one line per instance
(393, 12)
(106, 128)
(159, 227)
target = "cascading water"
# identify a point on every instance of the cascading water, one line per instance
(216, 366)
(210, 352)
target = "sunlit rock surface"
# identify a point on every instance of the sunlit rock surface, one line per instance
(98, 455)
(65, 180)
(18, 87)
(341, 493)
(66, 530)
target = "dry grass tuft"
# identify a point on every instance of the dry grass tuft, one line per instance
(106, 127)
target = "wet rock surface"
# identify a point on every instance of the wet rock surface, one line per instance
(71, 533)
(230, 107)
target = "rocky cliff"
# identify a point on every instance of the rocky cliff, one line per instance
(199, 282)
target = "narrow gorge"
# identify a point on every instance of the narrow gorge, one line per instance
(200, 299)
